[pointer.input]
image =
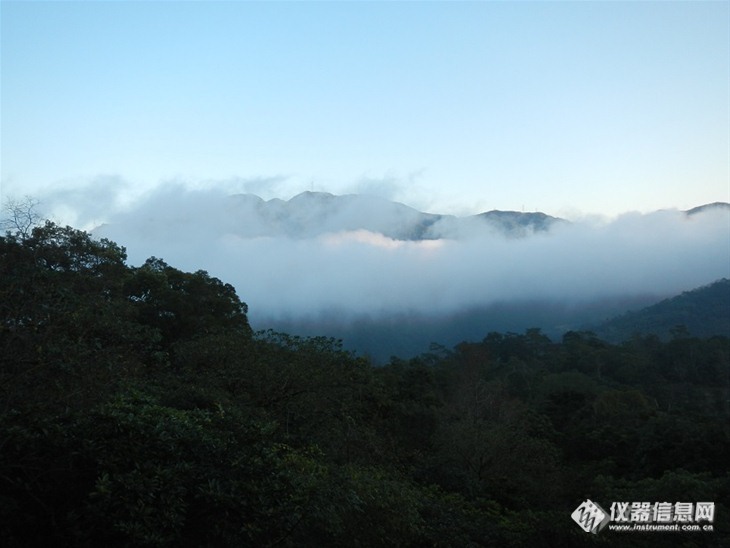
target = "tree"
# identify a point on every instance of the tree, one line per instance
(66, 330)
(21, 216)
(183, 305)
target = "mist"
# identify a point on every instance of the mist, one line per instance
(316, 272)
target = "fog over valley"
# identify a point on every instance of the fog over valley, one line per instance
(318, 261)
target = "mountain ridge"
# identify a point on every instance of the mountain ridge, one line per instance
(313, 213)
(706, 207)
(702, 312)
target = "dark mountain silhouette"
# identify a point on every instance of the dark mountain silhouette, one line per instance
(409, 334)
(702, 312)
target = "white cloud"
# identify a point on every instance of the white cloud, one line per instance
(363, 272)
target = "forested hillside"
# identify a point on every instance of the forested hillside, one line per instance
(138, 408)
(702, 312)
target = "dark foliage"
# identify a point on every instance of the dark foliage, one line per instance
(137, 408)
(702, 312)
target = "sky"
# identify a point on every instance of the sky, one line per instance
(570, 108)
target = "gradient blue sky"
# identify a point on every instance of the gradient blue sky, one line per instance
(563, 107)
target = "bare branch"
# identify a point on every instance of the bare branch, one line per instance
(20, 216)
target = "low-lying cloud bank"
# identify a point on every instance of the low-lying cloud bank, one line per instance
(359, 272)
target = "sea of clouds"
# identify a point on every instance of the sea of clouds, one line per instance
(355, 272)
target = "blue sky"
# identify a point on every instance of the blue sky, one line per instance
(562, 107)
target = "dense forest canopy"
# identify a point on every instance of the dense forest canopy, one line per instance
(138, 408)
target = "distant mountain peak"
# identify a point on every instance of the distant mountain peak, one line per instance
(516, 220)
(312, 195)
(706, 207)
(311, 213)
